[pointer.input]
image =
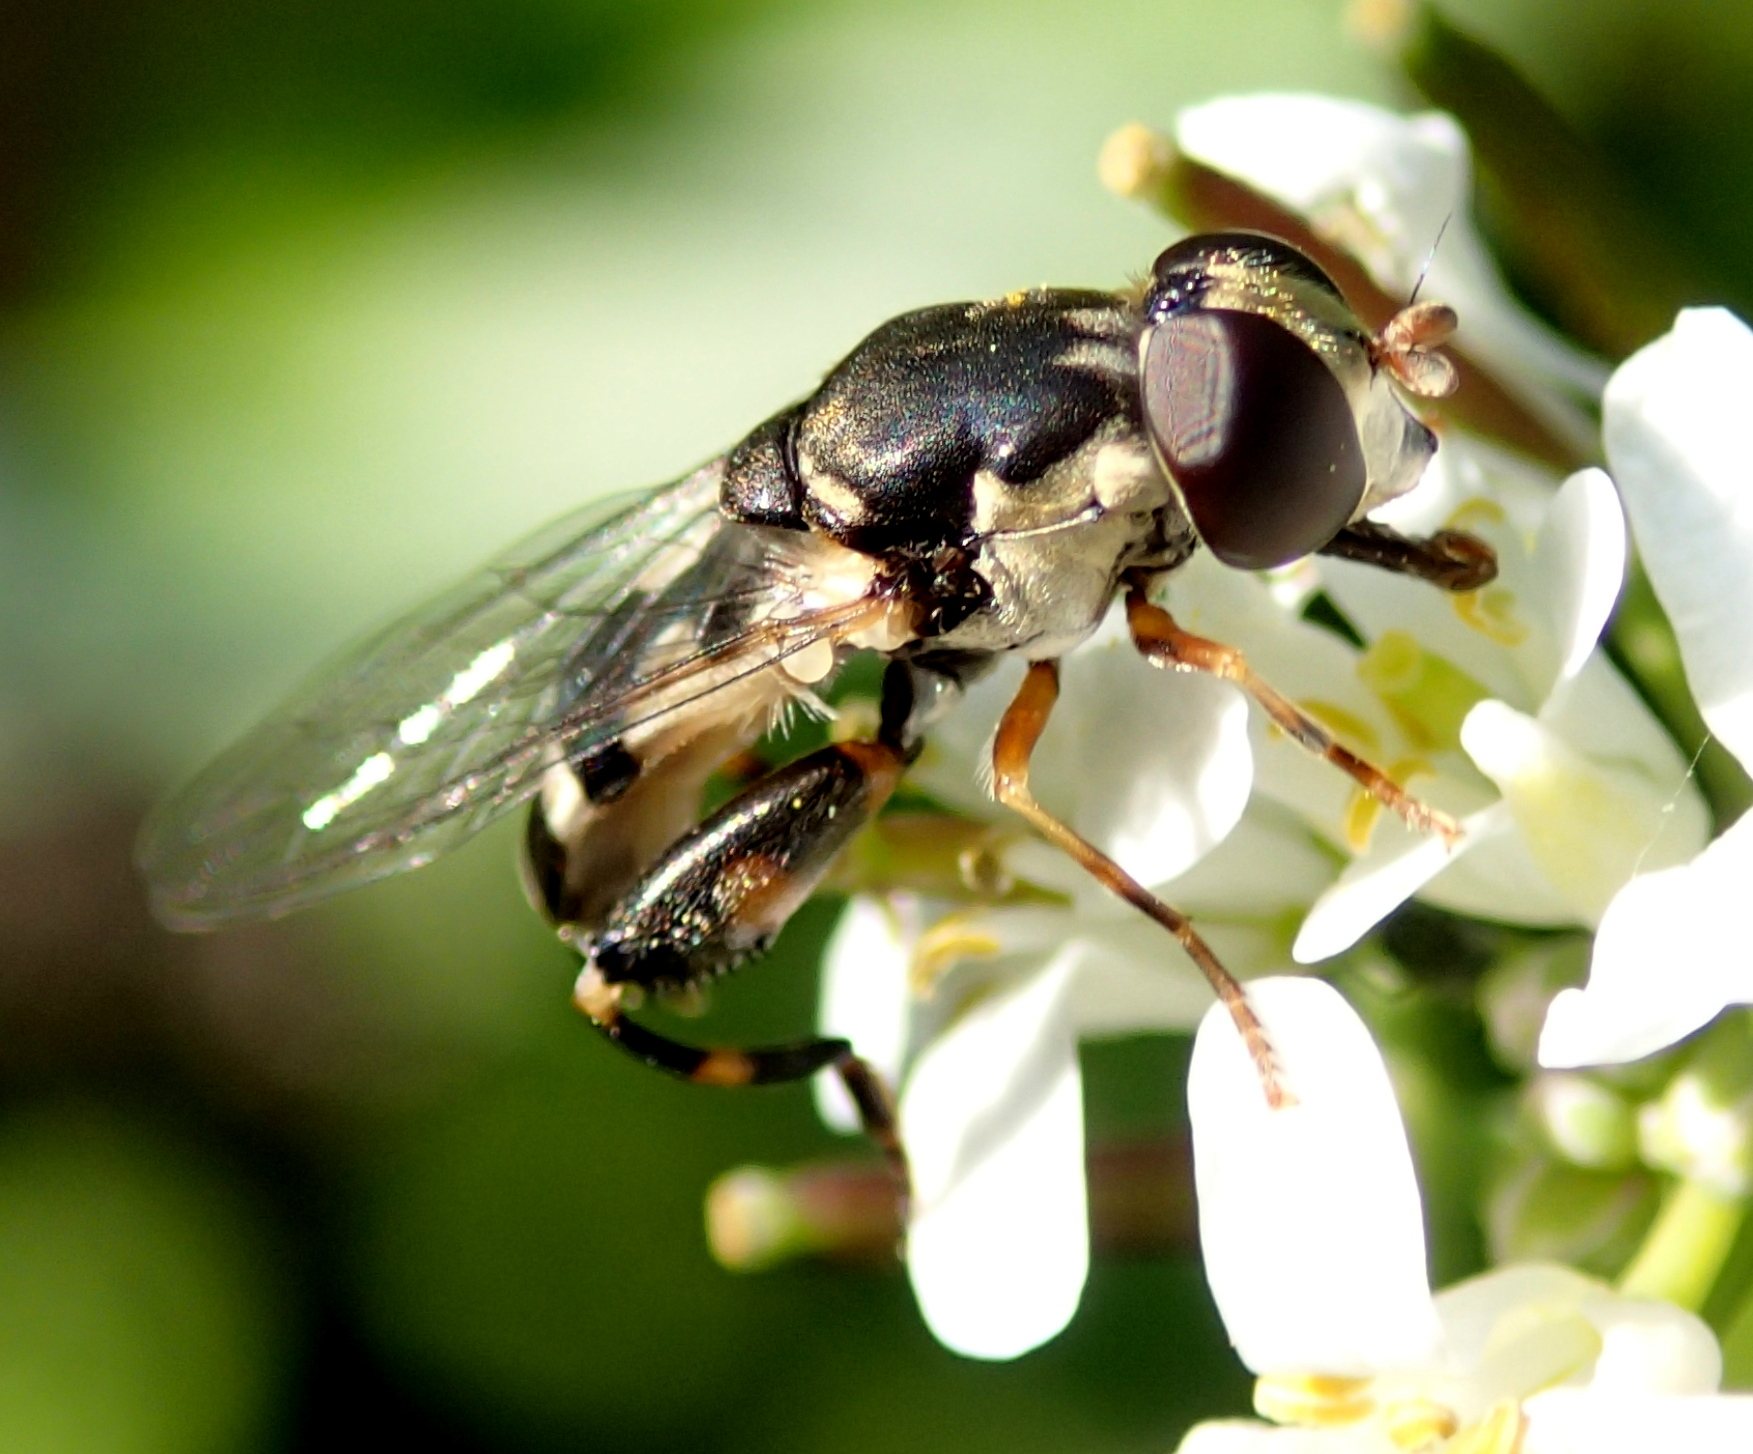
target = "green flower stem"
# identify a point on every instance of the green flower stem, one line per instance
(850, 1212)
(1687, 1246)
(1734, 1284)
(1611, 276)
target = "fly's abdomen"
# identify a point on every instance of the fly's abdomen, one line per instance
(723, 892)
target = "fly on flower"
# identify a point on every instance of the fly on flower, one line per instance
(971, 480)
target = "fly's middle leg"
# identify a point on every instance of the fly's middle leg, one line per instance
(1162, 642)
(720, 895)
(1013, 747)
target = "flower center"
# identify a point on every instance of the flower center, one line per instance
(1534, 1348)
(1313, 1400)
(1414, 1423)
(1499, 1432)
(1428, 695)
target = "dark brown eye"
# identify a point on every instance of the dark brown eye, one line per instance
(1255, 431)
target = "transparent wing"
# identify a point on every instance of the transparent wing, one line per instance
(424, 733)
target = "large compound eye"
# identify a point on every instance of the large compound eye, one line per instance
(1255, 431)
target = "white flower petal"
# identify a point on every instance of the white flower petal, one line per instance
(1309, 1213)
(1497, 878)
(1477, 1311)
(1153, 767)
(1385, 187)
(1246, 1436)
(1269, 867)
(1138, 978)
(1393, 869)
(1670, 954)
(1600, 714)
(1652, 1347)
(1589, 824)
(1579, 561)
(993, 1121)
(1597, 1421)
(1406, 176)
(1133, 976)
(1212, 599)
(1496, 1323)
(1159, 774)
(1675, 417)
(865, 997)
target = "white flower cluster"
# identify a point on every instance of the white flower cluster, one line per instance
(1498, 706)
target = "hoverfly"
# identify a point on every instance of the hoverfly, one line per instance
(971, 480)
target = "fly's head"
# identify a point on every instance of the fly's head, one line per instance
(1274, 412)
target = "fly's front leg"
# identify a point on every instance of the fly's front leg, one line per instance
(1451, 559)
(721, 894)
(1165, 644)
(1019, 730)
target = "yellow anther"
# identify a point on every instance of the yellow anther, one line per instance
(1363, 810)
(1471, 514)
(944, 945)
(1499, 1432)
(1492, 612)
(1135, 161)
(1313, 1400)
(1419, 1424)
(1358, 825)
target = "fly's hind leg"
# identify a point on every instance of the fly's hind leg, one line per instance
(720, 894)
(1163, 643)
(600, 999)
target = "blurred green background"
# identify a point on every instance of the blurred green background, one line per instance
(304, 309)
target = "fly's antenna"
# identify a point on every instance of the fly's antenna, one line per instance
(1429, 258)
(1407, 345)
